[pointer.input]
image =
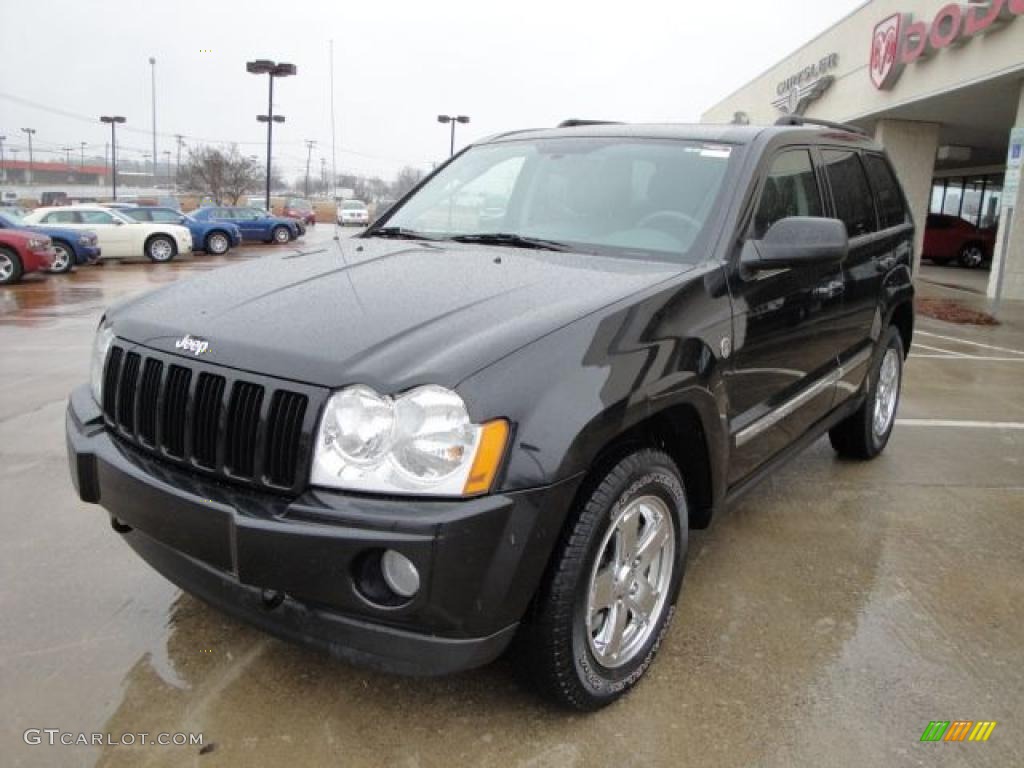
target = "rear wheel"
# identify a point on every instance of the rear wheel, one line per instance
(282, 235)
(865, 434)
(217, 243)
(10, 267)
(972, 256)
(599, 618)
(64, 260)
(161, 249)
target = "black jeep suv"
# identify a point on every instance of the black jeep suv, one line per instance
(497, 413)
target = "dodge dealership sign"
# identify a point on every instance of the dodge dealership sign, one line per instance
(899, 40)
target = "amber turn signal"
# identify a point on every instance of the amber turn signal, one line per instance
(493, 437)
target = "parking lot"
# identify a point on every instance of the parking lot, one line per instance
(824, 621)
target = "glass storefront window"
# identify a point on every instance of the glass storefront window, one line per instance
(991, 203)
(975, 198)
(954, 194)
(938, 196)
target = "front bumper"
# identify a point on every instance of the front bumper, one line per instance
(292, 566)
(38, 261)
(87, 254)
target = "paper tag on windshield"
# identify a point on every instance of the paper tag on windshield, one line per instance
(710, 150)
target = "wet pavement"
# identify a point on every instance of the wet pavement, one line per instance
(824, 621)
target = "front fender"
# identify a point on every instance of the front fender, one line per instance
(573, 392)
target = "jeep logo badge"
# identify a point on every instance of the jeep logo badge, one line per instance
(192, 344)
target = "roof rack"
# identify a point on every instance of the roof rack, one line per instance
(574, 123)
(801, 120)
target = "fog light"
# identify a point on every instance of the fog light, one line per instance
(399, 573)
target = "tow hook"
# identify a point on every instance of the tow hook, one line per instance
(272, 598)
(118, 526)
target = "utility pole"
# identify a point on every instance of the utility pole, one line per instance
(67, 155)
(81, 165)
(309, 154)
(323, 174)
(31, 160)
(177, 169)
(3, 168)
(152, 67)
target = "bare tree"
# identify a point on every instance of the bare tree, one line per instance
(406, 179)
(224, 176)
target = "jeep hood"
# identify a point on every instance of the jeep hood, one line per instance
(386, 313)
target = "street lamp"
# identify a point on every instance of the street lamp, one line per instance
(453, 120)
(272, 70)
(113, 120)
(31, 133)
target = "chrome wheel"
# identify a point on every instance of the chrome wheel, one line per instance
(282, 235)
(217, 244)
(161, 250)
(62, 261)
(6, 268)
(630, 581)
(972, 256)
(887, 393)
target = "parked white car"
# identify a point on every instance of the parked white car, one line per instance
(353, 212)
(119, 236)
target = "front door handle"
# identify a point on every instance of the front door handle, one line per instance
(829, 290)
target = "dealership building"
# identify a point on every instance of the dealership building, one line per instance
(941, 86)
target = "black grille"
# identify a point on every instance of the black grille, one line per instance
(248, 429)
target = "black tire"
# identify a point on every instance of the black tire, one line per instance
(281, 235)
(555, 640)
(65, 258)
(217, 243)
(856, 437)
(10, 267)
(161, 249)
(972, 256)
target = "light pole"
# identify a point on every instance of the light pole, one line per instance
(152, 70)
(67, 155)
(272, 69)
(309, 155)
(113, 120)
(82, 145)
(453, 119)
(3, 167)
(31, 133)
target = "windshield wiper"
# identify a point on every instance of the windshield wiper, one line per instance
(399, 233)
(511, 240)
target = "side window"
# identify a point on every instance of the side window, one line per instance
(791, 189)
(62, 217)
(223, 213)
(887, 190)
(850, 191)
(96, 217)
(138, 214)
(164, 216)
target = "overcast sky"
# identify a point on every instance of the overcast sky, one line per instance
(397, 65)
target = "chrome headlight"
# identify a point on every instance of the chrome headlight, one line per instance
(421, 442)
(100, 347)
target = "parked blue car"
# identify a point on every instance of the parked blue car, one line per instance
(73, 246)
(255, 223)
(216, 237)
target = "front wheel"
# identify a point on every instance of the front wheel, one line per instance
(971, 256)
(160, 249)
(217, 244)
(282, 235)
(64, 260)
(865, 434)
(599, 619)
(10, 267)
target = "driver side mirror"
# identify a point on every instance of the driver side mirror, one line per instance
(797, 241)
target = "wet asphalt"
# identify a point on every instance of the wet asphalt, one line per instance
(824, 621)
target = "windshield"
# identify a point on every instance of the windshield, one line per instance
(302, 205)
(11, 218)
(618, 196)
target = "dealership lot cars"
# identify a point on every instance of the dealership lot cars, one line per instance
(837, 610)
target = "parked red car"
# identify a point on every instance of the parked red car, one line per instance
(298, 208)
(22, 251)
(950, 237)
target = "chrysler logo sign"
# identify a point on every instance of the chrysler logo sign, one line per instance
(796, 92)
(899, 40)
